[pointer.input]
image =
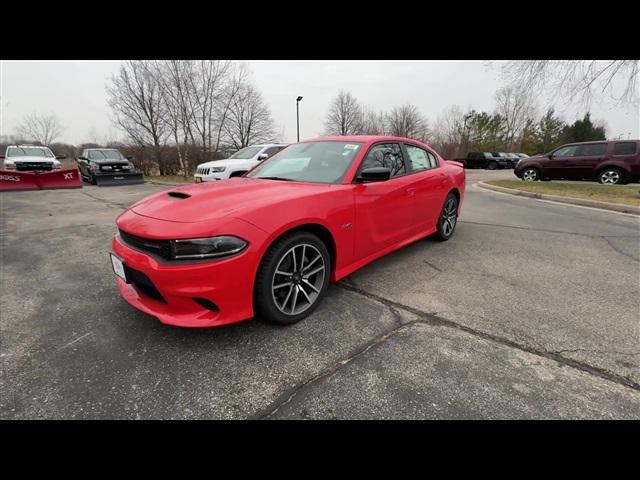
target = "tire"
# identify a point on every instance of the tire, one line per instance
(448, 219)
(611, 176)
(287, 299)
(492, 165)
(92, 179)
(530, 174)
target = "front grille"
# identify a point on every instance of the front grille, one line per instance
(143, 284)
(34, 166)
(160, 248)
(203, 171)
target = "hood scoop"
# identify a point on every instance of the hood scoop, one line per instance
(180, 195)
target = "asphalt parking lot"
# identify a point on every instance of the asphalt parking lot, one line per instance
(531, 311)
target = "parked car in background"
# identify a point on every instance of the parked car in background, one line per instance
(504, 160)
(484, 160)
(31, 158)
(610, 162)
(107, 166)
(238, 164)
(514, 158)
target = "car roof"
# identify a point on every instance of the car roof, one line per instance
(29, 146)
(361, 139)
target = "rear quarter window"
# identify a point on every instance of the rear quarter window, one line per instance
(624, 148)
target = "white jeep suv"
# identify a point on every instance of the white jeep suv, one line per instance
(238, 164)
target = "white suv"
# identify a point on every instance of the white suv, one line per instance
(239, 163)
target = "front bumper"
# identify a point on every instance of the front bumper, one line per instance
(227, 283)
(209, 178)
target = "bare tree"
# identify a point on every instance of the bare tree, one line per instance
(135, 97)
(234, 85)
(41, 128)
(344, 116)
(373, 123)
(449, 132)
(207, 82)
(576, 80)
(249, 118)
(516, 107)
(173, 79)
(407, 121)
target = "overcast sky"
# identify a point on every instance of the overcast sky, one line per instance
(76, 92)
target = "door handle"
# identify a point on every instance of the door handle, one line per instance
(411, 192)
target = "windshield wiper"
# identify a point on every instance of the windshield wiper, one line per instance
(276, 178)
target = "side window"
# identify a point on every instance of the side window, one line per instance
(566, 151)
(419, 158)
(432, 159)
(591, 150)
(385, 155)
(624, 148)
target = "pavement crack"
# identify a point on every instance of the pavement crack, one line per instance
(628, 255)
(106, 202)
(434, 319)
(610, 352)
(289, 395)
(432, 266)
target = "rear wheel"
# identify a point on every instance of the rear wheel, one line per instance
(448, 218)
(610, 176)
(292, 278)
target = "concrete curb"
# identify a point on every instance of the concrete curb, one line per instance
(615, 207)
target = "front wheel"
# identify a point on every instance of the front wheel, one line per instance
(448, 218)
(292, 278)
(531, 175)
(492, 165)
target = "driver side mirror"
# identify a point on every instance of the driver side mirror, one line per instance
(375, 174)
(129, 157)
(60, 157)
(262, 156)
(1, 157)
(82, 158)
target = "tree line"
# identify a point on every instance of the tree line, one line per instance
(513, 125)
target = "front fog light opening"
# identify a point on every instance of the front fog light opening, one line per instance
(206, 303)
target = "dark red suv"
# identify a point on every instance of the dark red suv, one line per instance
(609, 162)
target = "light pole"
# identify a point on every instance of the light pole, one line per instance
(298, 115)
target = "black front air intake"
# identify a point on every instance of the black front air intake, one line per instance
(159, 248)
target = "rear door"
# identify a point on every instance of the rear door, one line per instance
(429, 183)
(586, 160)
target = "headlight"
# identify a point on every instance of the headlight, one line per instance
(212, 247)
(218, 169)
(57, 166)
(93, 167)
(9, 166)
(126, 167)
(107, 167)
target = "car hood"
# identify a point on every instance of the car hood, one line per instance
(229, 162)
(31, 159)
(216, 200)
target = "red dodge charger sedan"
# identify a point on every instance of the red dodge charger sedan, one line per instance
(269, 243)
